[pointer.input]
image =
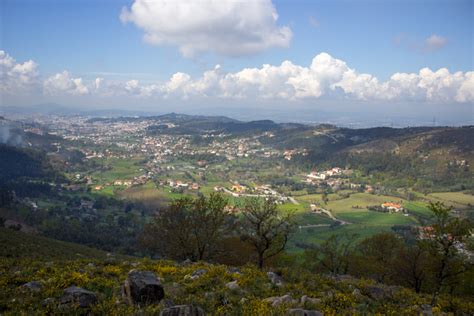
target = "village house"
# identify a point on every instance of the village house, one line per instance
(238, 188)
(392, 207)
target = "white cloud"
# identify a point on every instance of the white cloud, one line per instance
(466, 91)
(435, 42)
(16, 77)
(224, 27)
(325, 76)
(63, 83)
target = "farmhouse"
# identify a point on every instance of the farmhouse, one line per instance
(392, 207)
(238, 188)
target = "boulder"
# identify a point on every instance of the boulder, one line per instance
(426, 310)
(142, 287)
(275, 278)
(375, 292)
(48, 301)
(199, 272)
(196, 274)
(34, 286)
(278, 300)
(186, 262)
(182, 310)
(303, 312)
(78, 296)
(306, 299)
(233, 285)
(233, 270)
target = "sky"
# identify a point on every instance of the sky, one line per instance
(403, 61)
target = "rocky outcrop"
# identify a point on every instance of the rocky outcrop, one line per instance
(275, 279)
(278, 300)
(33, 286)
(142, 287)
(232, 285)
(182, 310)
(76, 296)
(310, 300)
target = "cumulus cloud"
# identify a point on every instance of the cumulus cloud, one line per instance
(17, 77)
(435, 42)
(63, 83)
(224, 27)
(324, 76)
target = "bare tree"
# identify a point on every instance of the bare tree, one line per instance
(265, 228)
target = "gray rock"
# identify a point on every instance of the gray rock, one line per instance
(303, 312)
(275, 278)
(278, 300)
(142, 287)
(78, 296)
(356, 292)
(375, 292)
(199, 272)
(48, 301)
(426, 310)
(186, 262)
(182, 310)
(34, 286)
(233, 285)
(305, 299)
(233, 270)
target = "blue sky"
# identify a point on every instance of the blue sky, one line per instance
(89, 40)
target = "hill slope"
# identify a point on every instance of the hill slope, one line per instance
(18, 245)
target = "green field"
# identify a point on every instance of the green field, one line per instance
(456, 199)
(120, 169)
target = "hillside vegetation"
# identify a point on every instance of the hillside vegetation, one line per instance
(216, 289)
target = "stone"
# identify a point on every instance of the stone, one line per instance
(186, 262)
(278, 300)
(34, 286)
(48, 301)
(426, 310)
(303, 312)
(305, 299)
(375, 292)
(182, 310)
(199, 272)
(233, 285)
(78, 296)
(142, 287)
(233, 270)
(275, 278)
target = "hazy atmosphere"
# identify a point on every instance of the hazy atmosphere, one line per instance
(236, 157)
(384, 62)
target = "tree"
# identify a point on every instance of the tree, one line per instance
(410, 266)
(333, 255)
(447, 233)
(377, 254)
(265, 229)
(187, 229)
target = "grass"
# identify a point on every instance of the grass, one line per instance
(318, 235)
(456, 199)
(121, 169)
(16, 244)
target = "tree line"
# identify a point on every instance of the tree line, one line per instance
(201, 229)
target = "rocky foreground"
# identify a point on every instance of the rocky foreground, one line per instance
(118, 286)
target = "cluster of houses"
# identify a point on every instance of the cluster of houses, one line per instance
(289, 153)
(323, 175)
(178, 184)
